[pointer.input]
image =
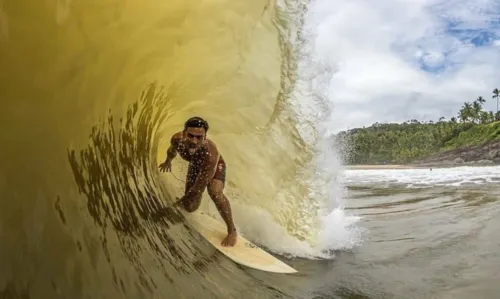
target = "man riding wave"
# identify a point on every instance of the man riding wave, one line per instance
(207, 169)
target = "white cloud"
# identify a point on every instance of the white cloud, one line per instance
(397, 60)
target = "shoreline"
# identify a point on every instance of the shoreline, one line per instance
(385, 166)
(419, 166)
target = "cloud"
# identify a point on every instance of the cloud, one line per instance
(402, 59)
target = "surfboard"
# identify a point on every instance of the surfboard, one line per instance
(243, 252)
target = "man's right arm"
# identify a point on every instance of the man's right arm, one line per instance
(172, 149)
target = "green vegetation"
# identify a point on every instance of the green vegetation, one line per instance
(394, 143)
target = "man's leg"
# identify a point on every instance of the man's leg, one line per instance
(192, 205)
(216, 192)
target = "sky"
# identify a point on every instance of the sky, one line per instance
(396, 60)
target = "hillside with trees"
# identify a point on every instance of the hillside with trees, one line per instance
(400, 143)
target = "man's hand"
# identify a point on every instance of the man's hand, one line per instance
(166, 166)
(230, 239)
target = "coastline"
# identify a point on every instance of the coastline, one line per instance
(385, 166)
(447, 164)
(487, 154)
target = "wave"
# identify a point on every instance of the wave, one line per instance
(88, 117)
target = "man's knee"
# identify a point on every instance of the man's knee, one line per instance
(215, 189)
(192, 205)
(215, 194)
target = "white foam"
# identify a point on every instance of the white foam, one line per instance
(259, 226)
(424, 177)
(311, 103)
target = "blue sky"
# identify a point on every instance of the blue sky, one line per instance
(397, 60)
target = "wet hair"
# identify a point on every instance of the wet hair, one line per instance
(196, 122)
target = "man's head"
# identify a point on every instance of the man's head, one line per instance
(195, 131)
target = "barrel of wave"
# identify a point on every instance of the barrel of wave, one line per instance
(227, 70)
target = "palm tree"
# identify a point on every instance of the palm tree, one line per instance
(484, 117)
(476, 110)
(466, 112)
(496, 95)
(481, 100)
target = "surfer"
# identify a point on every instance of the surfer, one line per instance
(207, 169)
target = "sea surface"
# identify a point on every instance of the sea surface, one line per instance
(432, 232)
(90, 94)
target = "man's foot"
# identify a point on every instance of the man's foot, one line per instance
(230, 239)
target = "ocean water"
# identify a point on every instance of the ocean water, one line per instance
(90, 93)
(432, 233)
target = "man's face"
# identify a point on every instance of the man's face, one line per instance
(194, 138)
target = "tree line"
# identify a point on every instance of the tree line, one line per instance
(413, 139)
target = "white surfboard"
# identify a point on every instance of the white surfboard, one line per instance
(243, 252)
